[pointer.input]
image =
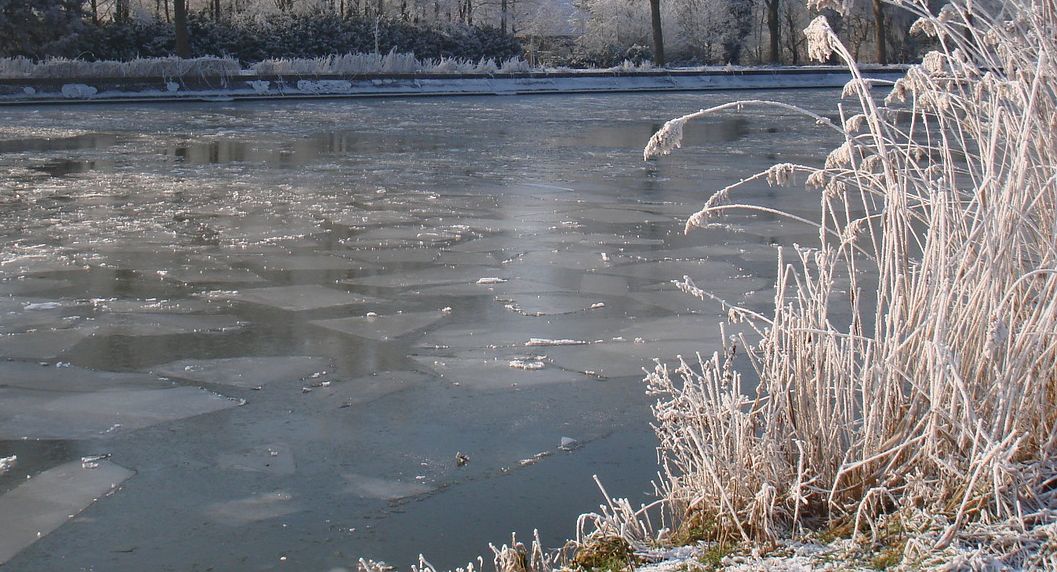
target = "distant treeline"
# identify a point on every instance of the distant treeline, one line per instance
(58, 28)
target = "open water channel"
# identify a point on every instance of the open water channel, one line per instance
(278, 323)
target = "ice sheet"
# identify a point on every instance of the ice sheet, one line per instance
(384, 327)
(302, 298)
(383, 489)
(42, 344)
(492, 371)
(41, 504)
(546, 304)
(74, 403)
(148, 324)
(275, 459)
(245, 372)
(254, 508)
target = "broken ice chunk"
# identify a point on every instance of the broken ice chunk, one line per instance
(568, 444)
(382, 328)
(383, 489)
(491, 280)
(49, 499)
(42, 344)
(550, 342)
(546, 304)
(92, 461)
(528, 364)
(253, 509)
(7, 463)
(248, 372)
(36, 413)
(147, 324)
(302, 298)
(42, 306)
(274, 459)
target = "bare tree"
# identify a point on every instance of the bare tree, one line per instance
(881, 31)
(183, 44)
(775, 29)
(658, 39)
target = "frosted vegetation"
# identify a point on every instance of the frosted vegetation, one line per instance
(915, 411)
(173, 67)
(585, 33)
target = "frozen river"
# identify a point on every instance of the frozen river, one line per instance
(282, 321)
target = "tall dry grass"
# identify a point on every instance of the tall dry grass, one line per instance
(910, 363)
(393, 62)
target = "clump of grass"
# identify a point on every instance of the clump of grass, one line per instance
(604, 553)
(712, 557)
(910, 361)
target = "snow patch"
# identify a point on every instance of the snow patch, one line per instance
(78, 91)
(260, 87)
(550, 342)
(324, 86)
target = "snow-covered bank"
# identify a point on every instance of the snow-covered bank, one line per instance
(253, 86)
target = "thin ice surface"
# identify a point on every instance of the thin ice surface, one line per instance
(200, 233)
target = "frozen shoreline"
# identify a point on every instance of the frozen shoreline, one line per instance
(252, 86)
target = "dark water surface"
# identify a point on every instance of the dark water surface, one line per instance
(326, 270)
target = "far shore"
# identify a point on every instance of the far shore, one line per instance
(249, 85)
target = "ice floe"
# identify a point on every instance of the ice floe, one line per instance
(47, 501)
(301, 298)
(246, 372)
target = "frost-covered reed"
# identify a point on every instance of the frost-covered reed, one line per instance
(393, 62)
(170, 67)
(910, 361)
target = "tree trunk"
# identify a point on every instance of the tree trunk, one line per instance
(881, 29)
(183, 45)
(774, 27)
(121, 11)
(95, 12)
(502, 16)
(658, 38)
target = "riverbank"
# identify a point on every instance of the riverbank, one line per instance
(252, 86)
